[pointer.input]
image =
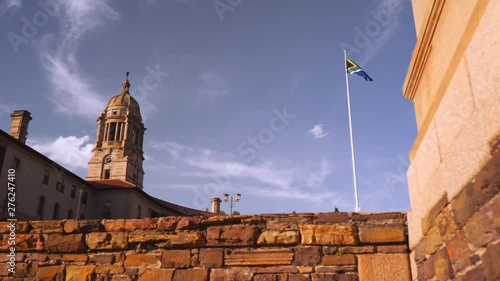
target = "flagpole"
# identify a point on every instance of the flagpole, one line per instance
(350, 132)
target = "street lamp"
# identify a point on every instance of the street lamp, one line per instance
(237, 197)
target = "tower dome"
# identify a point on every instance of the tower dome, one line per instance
(124, 99)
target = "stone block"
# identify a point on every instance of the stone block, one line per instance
(125, 277)
(384, 267)
(156, 274)
(25, 242)
(86, 226)
(356, 250)
(226, 274)
(336, 217)
(109, 269)
(142, 260)
(270, 277)
(70, 226)
(339, 259)
(458, 251)
(475, 274)
(392, 249)
(232, 235)
(107, 240)
(211, 257)
(276, 237)
(168, 240)
(167, 223)
(481, 229)
(176, 258)
(334, 277)
(194, 274)
(260, 256)
(380, 218)
(50, 273)
(307, 255)
(335, 268)
(433, 241)
(189, 223)
(46, 226)
(289, 221)
(275, 269)
(382, 234)
(490, 260)
(442, 265)
(446, 225)
(328, 235)
(299, 277)
(75, 258)
(79, 272)
(140, 224)
(102, 259)
(40, 257)
(114, 225)
(73, 243)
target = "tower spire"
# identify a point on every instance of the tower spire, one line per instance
(126, 84)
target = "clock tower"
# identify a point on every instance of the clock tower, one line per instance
(117, 152)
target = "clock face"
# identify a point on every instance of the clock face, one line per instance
(108, 160)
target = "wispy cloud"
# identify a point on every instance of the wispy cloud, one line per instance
(73, 94)
(72, 152)
(317, 131)
(213, 85)
(6, 5)
(274, 177)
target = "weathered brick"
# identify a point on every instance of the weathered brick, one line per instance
(156, 274)
(37, 257)
(74, 258)
(333, 277)
(446, 225)
(232, 235)
(125, 277)
(140, 224)
(276, 237)
(28, 242)
(299, 277)
(86, 226)
(107, 240)
(490, 260)
(25, 270)
(70, 226)
(225, 274)
(463, 205)
(389, 217)
(166, 240)
(260, 256)
(458, 251)
(288, 222)
(442, 265)
(109, 269)
(46, 226)
(211, 257)
(275, 269)
(135, 260)
(339, 260)
(382, 234)
(65, 243)
(50, 273)
(475, 274)
(328, 235)
(79, 272)
(102, 258)
(429, 220)
(195, 274)
(305, 269)
(307, 255)
(335, 268)
(176, 258)
(432, 241)
(336, 217)
(270, 277)
(18, 227)
(189, 223)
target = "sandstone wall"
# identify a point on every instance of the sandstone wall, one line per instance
(291, 247)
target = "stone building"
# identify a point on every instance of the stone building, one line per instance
(454, 176)
(114, 185)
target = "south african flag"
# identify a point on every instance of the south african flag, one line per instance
(353, 67)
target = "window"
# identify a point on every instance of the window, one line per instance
(73, 191)
(17, 162)
(107, 174)
(60, 185)
(112, 131)
(56, 212)
(46, 175)
(41, 206)
(70, 214)
(82, 217)
(154, 214)
(133, 178)
(139, 211)
(84, 197)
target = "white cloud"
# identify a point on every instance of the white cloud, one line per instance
(317, 131)
(213, 85)
(72, 152)
(72, 93)
(272, 177)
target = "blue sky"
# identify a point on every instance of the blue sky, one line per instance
(237, 95)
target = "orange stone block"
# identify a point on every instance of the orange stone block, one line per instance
(176, 258)
(196, 274)
(46, 226)
(109, 269)
(79, 272)
(339, 260)
(328, 235)
(135, 260)
(275, 237)
(157, 274)
(107, 240)
(259, 257)
(50, 273)
(382, 234)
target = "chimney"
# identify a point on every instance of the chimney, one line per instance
(19, 125)
(216, 205)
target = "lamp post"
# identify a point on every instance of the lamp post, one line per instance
(79, 201)
(232, 201)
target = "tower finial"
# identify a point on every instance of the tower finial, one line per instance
(126, 84)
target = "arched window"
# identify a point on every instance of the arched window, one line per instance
(41, 206)
(56, 212)
(70, 214)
